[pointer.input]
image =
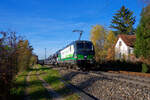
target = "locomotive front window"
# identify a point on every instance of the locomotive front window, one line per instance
(88, 46)
(84, 46)
(80, 46)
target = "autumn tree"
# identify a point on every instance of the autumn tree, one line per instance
(142, 45)
(123, 21)
(109, 45)
(33, 60)
(15, 56)
(98, 37)
(24, 55)
(8, 44)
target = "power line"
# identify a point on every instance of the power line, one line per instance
(80, 31)
(45, 53)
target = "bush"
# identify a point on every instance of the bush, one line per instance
(15, 56)
(120, 66)
(144, 68)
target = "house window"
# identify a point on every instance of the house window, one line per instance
(120, 43)
(119, 55)
(129, 51)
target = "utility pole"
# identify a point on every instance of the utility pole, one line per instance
(80, 31)
(45, 53)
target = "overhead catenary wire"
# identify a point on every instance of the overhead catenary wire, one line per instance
(80, 31)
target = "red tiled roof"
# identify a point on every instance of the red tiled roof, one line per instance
(128, 39)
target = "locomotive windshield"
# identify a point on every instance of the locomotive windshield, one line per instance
(86, 45)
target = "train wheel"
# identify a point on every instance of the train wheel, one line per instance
(74, 67)
(69, 67)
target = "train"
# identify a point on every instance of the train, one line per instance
(79, 54)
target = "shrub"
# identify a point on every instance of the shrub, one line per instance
(144, 68)
(15, 56)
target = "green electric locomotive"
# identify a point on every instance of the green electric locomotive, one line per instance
(78, 54)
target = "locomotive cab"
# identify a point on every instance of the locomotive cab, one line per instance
(84, 53)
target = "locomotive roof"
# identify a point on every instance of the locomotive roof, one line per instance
(70, 44)
(73, 43)
(76, 42)
(79, 41)
(82, 41)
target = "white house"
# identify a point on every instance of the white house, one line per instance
(124, 46)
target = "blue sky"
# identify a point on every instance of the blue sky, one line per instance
(49, 23)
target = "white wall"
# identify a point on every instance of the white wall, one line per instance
(123, 49)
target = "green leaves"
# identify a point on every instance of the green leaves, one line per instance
(123, 21)
(142, 45)
(144, 68)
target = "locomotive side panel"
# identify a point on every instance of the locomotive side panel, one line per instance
(66, 55)
(68, 52)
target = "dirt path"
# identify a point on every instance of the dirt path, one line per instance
(55, 95)
(34, 78)
(27, 82)
(35, 90)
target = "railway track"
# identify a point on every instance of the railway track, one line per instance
(108, 85)
(125, 78)
(138, 80)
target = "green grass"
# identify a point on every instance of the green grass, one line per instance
(35, 89)
(144, 68)
(52, 77)
(73, 97)
(19, 86)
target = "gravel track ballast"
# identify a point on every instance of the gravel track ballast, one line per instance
(106, 88)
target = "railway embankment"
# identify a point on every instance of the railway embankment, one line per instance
(105, 86)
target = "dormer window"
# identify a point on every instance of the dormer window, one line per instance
(120, 43)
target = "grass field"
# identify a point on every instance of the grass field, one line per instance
(34, 88)
(19, 85)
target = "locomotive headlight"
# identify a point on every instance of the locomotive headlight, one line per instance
(75, 56)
